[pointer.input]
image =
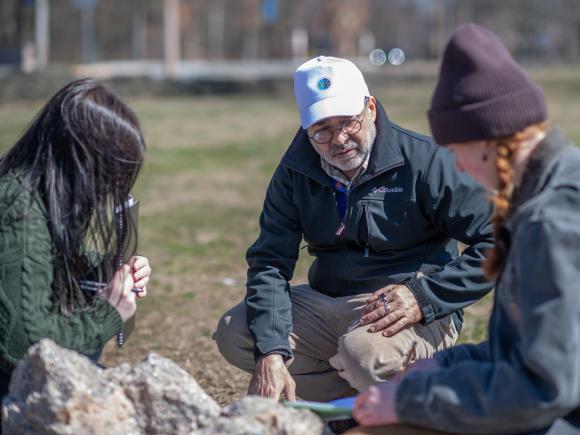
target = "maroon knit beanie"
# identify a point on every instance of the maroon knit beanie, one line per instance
(482, 93)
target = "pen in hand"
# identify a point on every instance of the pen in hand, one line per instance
(410, 355)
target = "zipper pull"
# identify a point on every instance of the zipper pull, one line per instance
(367, 251)
(340, 230)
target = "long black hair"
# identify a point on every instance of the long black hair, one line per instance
(81, 156)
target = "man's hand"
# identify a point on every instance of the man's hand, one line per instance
(271, 377)
(396, 310)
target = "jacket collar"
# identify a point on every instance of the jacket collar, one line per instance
(539, 166)
(385, 154)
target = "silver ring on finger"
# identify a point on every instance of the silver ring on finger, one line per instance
(386, 307)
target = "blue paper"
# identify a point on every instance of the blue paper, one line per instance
(346, 403)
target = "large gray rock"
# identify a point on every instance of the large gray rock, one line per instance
(57, 391)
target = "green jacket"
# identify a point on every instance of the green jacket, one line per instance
(403, 216)
(28, 312)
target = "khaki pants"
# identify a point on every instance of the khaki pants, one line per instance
(328, 363)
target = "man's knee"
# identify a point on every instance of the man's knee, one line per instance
(233, 338)
(365, 358)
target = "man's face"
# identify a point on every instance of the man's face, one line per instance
(346, 151)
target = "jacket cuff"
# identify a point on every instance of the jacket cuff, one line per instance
(270, 346)
(423, 301)
(285, 356)
(110, 321)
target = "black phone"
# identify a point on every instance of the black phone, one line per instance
(126, 227)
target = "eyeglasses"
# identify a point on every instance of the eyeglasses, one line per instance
(349, 127)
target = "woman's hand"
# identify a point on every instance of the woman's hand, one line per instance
(376, 405)
(120, 293)
(141, 274)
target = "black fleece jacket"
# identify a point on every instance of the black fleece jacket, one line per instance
(404, 216)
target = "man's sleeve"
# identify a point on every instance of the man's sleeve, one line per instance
(536, 381)
(271, 260)
(459, 208)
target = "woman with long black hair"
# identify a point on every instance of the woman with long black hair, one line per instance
(526, 377)
(62, 190)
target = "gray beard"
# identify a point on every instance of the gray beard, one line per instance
(364, 149)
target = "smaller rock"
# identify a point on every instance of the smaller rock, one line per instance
(166, 398)
(255, 415)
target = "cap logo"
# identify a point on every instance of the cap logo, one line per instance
(323, 84)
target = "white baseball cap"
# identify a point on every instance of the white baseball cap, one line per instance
(328, 86)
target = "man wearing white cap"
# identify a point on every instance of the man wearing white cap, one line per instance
(381, 209)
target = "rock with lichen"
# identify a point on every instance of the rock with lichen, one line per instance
(58, 391)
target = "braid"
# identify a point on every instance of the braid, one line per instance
(506, 149)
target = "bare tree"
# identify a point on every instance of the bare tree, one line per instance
(239, 29)
(11, 22)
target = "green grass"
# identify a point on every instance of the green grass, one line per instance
(201, 190)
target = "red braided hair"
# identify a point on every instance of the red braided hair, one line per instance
(506, 149)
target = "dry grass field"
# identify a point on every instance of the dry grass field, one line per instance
(201, 190)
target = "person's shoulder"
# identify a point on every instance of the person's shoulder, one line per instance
(566, 167)
(556, 228)
(411, 136)
(16, 198)
(416, 147)
(12, 187)
(559, 198)
(564, 178)
(423, 154)
(560, 201)
(10, 181)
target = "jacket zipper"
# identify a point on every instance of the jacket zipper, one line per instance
(366, 212)
(344, 222)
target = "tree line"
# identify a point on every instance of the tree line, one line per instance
(280, 29)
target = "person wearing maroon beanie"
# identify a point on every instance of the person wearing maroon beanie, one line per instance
(526, 377)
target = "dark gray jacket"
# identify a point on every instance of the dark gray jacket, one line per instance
(527, 376)
(401, 217)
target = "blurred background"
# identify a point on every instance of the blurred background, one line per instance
(254, 39)
(211, 81)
